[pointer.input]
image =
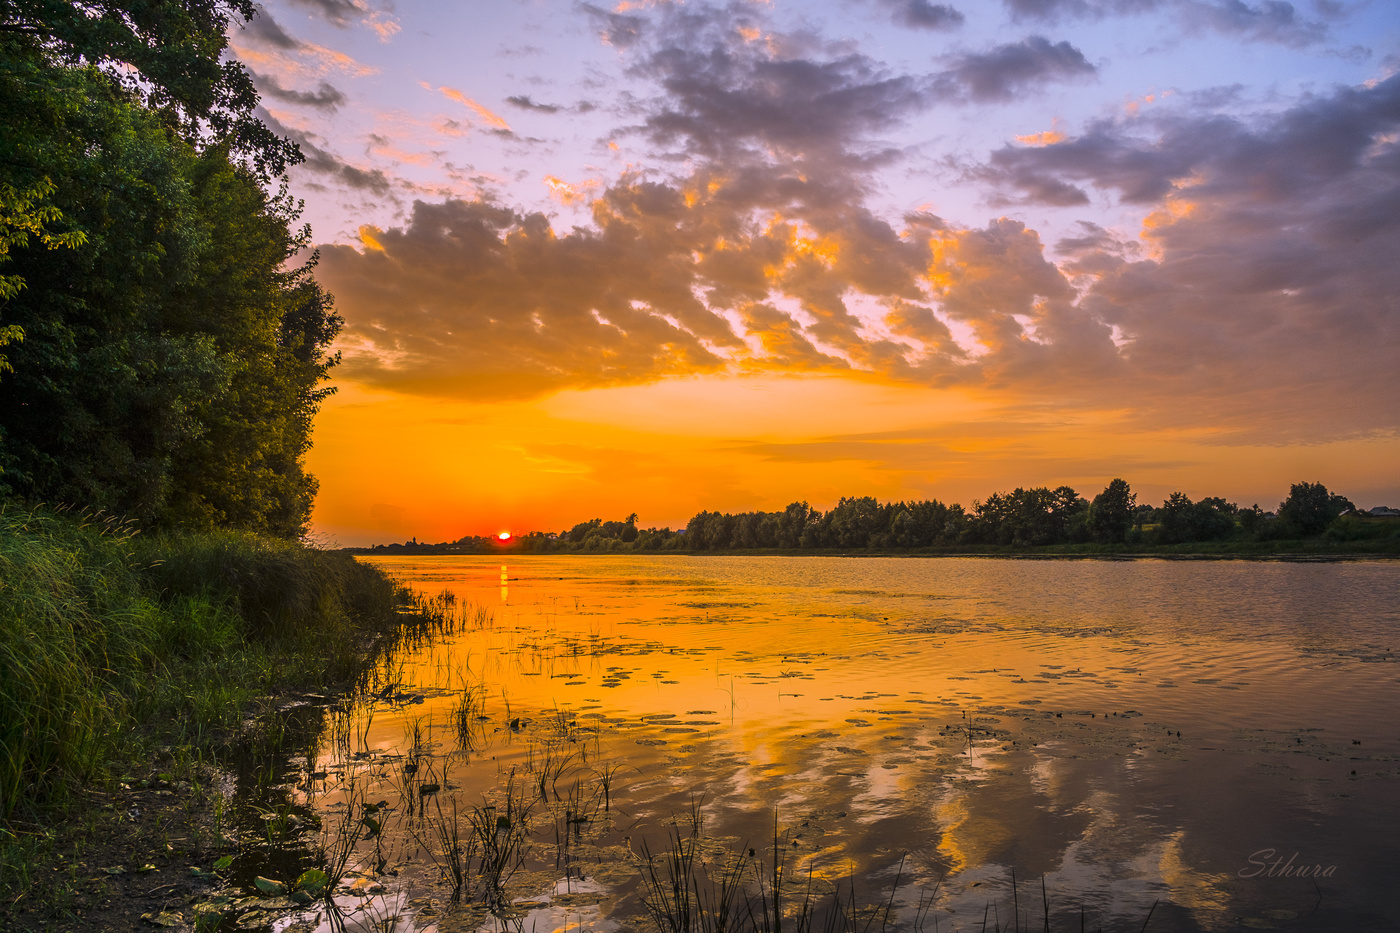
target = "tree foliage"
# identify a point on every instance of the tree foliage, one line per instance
(1111, 513)
(1311, 507)
(168, 54)
(171, 357)
(1022, 518)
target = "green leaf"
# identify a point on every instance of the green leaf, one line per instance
(163, 919)
(268, 886)
(223, 863)
(312, 881)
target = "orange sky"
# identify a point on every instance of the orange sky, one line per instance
(394, 466)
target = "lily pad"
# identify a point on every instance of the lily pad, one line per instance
(268, 886)
(312, 881)
(223, 863)
(163, 919)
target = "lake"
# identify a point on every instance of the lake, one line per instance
(922, 744)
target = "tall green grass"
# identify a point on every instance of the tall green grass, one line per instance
(109, 638)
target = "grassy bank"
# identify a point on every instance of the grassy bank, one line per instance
(114, 644)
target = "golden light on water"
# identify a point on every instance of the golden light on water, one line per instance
(981, 717)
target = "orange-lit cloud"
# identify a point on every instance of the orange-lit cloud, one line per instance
(491, 119)
(1045, 137)
(265, 45)
(570, 194)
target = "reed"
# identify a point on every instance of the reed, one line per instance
(112, 643)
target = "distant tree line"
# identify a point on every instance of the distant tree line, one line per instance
(1022, 518)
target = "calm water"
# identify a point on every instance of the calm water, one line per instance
(1130, 734)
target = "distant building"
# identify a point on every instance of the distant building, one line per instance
(1384, 511)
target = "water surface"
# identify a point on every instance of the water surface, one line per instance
(1189, 735)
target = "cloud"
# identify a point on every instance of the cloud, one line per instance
(1265, 260)
(1268, 21)
(781, 100)
(1285, 155)
(325, 97)
(764, 257)
(920, 14)
(471, 297)
(1007, 71)
(330, 167)
(266, 31)
(339, 12)
(491, 119)
(619, 29)
(1258, 297)
(525, 103)
(264, 45)
(1058, 11)
(345, 13)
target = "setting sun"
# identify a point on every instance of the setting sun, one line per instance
(504, 536)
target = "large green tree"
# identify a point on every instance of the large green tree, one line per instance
(1111, 513)
(1310, 508)
(167, 54)
(171, 358)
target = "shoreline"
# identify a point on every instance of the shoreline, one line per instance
(156, 673)
(1330, 554)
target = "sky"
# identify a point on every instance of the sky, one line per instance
(659, 257)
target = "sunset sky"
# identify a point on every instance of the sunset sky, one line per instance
(659, 257)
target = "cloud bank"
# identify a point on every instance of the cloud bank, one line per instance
(1260, 296)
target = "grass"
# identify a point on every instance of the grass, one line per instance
(114, 644)
(734, 892)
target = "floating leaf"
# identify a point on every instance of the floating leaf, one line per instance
(268, 886)
(428, 789)
(118, 870)
(223, 863)
(147, 867)
(163, 919)
(301, 898)
(364, 887)
(313, 881)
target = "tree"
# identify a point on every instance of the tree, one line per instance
(792, 524)
(1026, 517)
(168, 54)
(1111, 513)
(171, 364)
(1180, 520)
(853, 521)
(1310, 508)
